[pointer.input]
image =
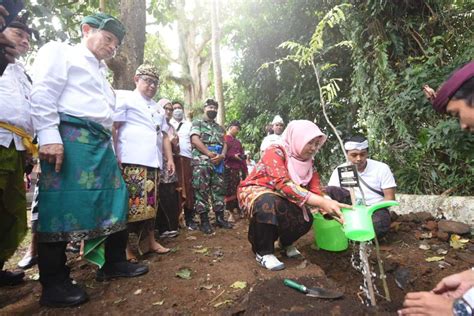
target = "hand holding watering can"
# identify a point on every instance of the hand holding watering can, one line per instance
(327, 207)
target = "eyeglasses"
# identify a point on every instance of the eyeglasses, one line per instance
(150, 81)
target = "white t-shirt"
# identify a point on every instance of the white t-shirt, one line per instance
(269, 140)
(140, 138)
(184, 134)
(376, 174)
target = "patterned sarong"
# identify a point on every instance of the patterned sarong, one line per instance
(142, 186)
(12, 201)
(88, 197)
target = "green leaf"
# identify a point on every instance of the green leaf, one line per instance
(239, 285)
(184, 273)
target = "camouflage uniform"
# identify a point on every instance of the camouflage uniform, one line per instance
(207, 183)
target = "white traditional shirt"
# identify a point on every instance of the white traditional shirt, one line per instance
(71, 80)
(376, 174)
(183, 129)
(15, 107)
(140, 137)
(269, 140)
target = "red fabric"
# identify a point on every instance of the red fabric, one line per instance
(271, 172)
(450, 86)
(234, 147)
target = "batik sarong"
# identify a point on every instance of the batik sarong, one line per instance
(87, 199)
(142, 186)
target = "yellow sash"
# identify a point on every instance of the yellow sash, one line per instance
(26, 139)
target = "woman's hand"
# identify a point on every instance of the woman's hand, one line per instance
(333, 208)
(327, 206)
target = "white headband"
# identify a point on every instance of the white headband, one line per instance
(356, 145)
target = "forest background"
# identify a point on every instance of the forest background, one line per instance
(379, 55)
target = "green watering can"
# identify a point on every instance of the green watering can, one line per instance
(328, 234)
(358, 224)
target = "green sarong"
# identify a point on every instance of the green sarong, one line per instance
(12, 201)
(87, 199)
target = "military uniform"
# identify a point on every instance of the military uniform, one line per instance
(207, 182)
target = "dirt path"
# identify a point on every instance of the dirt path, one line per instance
(217, 261)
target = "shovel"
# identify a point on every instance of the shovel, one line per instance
(313, 292)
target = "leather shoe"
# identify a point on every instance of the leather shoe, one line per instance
(63, 295)
(9, 278)
(123, 269)
(221, 222)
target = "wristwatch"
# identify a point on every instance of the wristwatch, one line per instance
(463, 305)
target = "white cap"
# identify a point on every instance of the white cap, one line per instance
(277, 119)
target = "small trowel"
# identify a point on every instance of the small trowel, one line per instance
(313, 292)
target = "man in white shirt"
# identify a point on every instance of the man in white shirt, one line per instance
(183, 163)
(15, 125)
(141, 142)
(277, 127)
(82, 194)
(375, 178)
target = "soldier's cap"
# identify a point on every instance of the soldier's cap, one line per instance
(211, 102)
(106, 22)
(148, 70)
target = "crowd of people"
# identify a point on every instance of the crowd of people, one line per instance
(115, 162)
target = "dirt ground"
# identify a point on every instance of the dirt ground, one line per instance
(216, 262)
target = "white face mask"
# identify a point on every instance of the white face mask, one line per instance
(178, 114)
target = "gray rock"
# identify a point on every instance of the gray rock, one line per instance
(454, 227)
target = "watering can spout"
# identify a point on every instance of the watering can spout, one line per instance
(380, 205)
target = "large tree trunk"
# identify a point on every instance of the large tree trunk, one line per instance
(194, 59)
(216, 62)
(130, 56)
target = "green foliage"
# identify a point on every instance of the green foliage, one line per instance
(420, 43)
(384, 51)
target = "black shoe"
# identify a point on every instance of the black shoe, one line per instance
(9, 278)
(63, 295)
(189, 219)
(221, 222)
(205, 224)
(192, 225)
(123, 269)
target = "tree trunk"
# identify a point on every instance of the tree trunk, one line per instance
(130, 55)
(216, 62)
(102, 5)
(194, 59)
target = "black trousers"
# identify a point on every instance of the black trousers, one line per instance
(168, 208)
(275, 218)
(52, 257)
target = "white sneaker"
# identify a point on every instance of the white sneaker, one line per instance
(292, 252)
(270, 262)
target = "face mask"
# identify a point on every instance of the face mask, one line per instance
(178, 114)
(211, 114)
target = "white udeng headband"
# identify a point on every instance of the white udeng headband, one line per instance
(356, 146)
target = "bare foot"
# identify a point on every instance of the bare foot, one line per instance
(130, 255)
(158, 248)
